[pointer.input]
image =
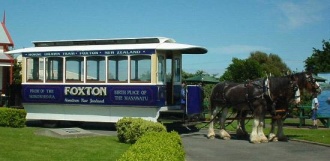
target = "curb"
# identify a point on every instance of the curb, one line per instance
(310, 142)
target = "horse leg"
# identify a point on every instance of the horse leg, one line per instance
(261, 134)
(280, 133)
(223, 133)
(254, 134)
(272, 136)
(211, 134)
(257, 134)
(240, 130)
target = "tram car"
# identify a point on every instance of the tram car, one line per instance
(104, 80)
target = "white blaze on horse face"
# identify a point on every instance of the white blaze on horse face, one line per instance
(318, 87)
(297, 96)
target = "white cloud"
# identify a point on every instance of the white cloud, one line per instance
(238, 49)
(302, 12)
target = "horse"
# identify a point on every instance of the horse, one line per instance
(278, 90)
(241, 97)
(278, 105)
(305, 82)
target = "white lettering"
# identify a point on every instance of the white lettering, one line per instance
(96, 101)
(71, 100)
(85, 91)
(135, 98)
(42, 96)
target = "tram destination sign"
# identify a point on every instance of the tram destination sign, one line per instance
(88, 53)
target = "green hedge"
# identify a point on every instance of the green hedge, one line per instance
(156, 146)
(12, 117)
(129, 130)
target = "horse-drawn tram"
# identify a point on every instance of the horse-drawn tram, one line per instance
(103, 80)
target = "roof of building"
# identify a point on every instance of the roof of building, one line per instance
(5, 38)
(5, 41)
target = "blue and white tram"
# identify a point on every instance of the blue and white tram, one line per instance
(102, 80)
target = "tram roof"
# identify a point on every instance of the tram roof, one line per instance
(156, 43)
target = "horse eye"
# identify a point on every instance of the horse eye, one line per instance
(313, 80)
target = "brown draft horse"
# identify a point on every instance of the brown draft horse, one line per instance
(241, 97)
(278, 89)
(305, 82)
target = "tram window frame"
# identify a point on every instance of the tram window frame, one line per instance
(140, 69)
(177, 71)
(117, 69)
(80, 72)
(161, 75)
(98, 70)
(54, 69)
(34, 69)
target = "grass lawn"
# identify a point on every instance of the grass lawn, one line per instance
(320, 135)
(23, 144)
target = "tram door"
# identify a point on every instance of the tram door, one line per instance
(173, 79)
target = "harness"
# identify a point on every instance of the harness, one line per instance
(274, 112)
(254, 84)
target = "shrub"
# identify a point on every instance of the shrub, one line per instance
(131, 129)
(12, 117)
(156, 146)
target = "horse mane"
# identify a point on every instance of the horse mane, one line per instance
(301, 78)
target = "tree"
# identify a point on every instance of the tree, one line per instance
(17, 75)
(271, 63)
(319, 61)
(242, 70)
(256, 66)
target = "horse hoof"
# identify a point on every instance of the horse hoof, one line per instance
(264, 141)
(211, 137)
(226, 138)
(273, 139)
(255, 142)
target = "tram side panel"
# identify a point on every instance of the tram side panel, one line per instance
(100, 103)
(194, 99)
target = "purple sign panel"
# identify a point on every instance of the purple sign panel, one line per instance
(93, 94)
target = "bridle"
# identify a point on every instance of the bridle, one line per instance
(312, 81)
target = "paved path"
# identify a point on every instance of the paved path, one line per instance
(198, 148)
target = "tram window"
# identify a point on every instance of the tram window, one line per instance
(168, 69)
(96, 69)
(117, 68)
(34, 69)
(74, 71)
(141, 69)
(161, 69)
(54, 69)
(177, 70)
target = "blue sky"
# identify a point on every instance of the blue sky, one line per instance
(228, 29)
